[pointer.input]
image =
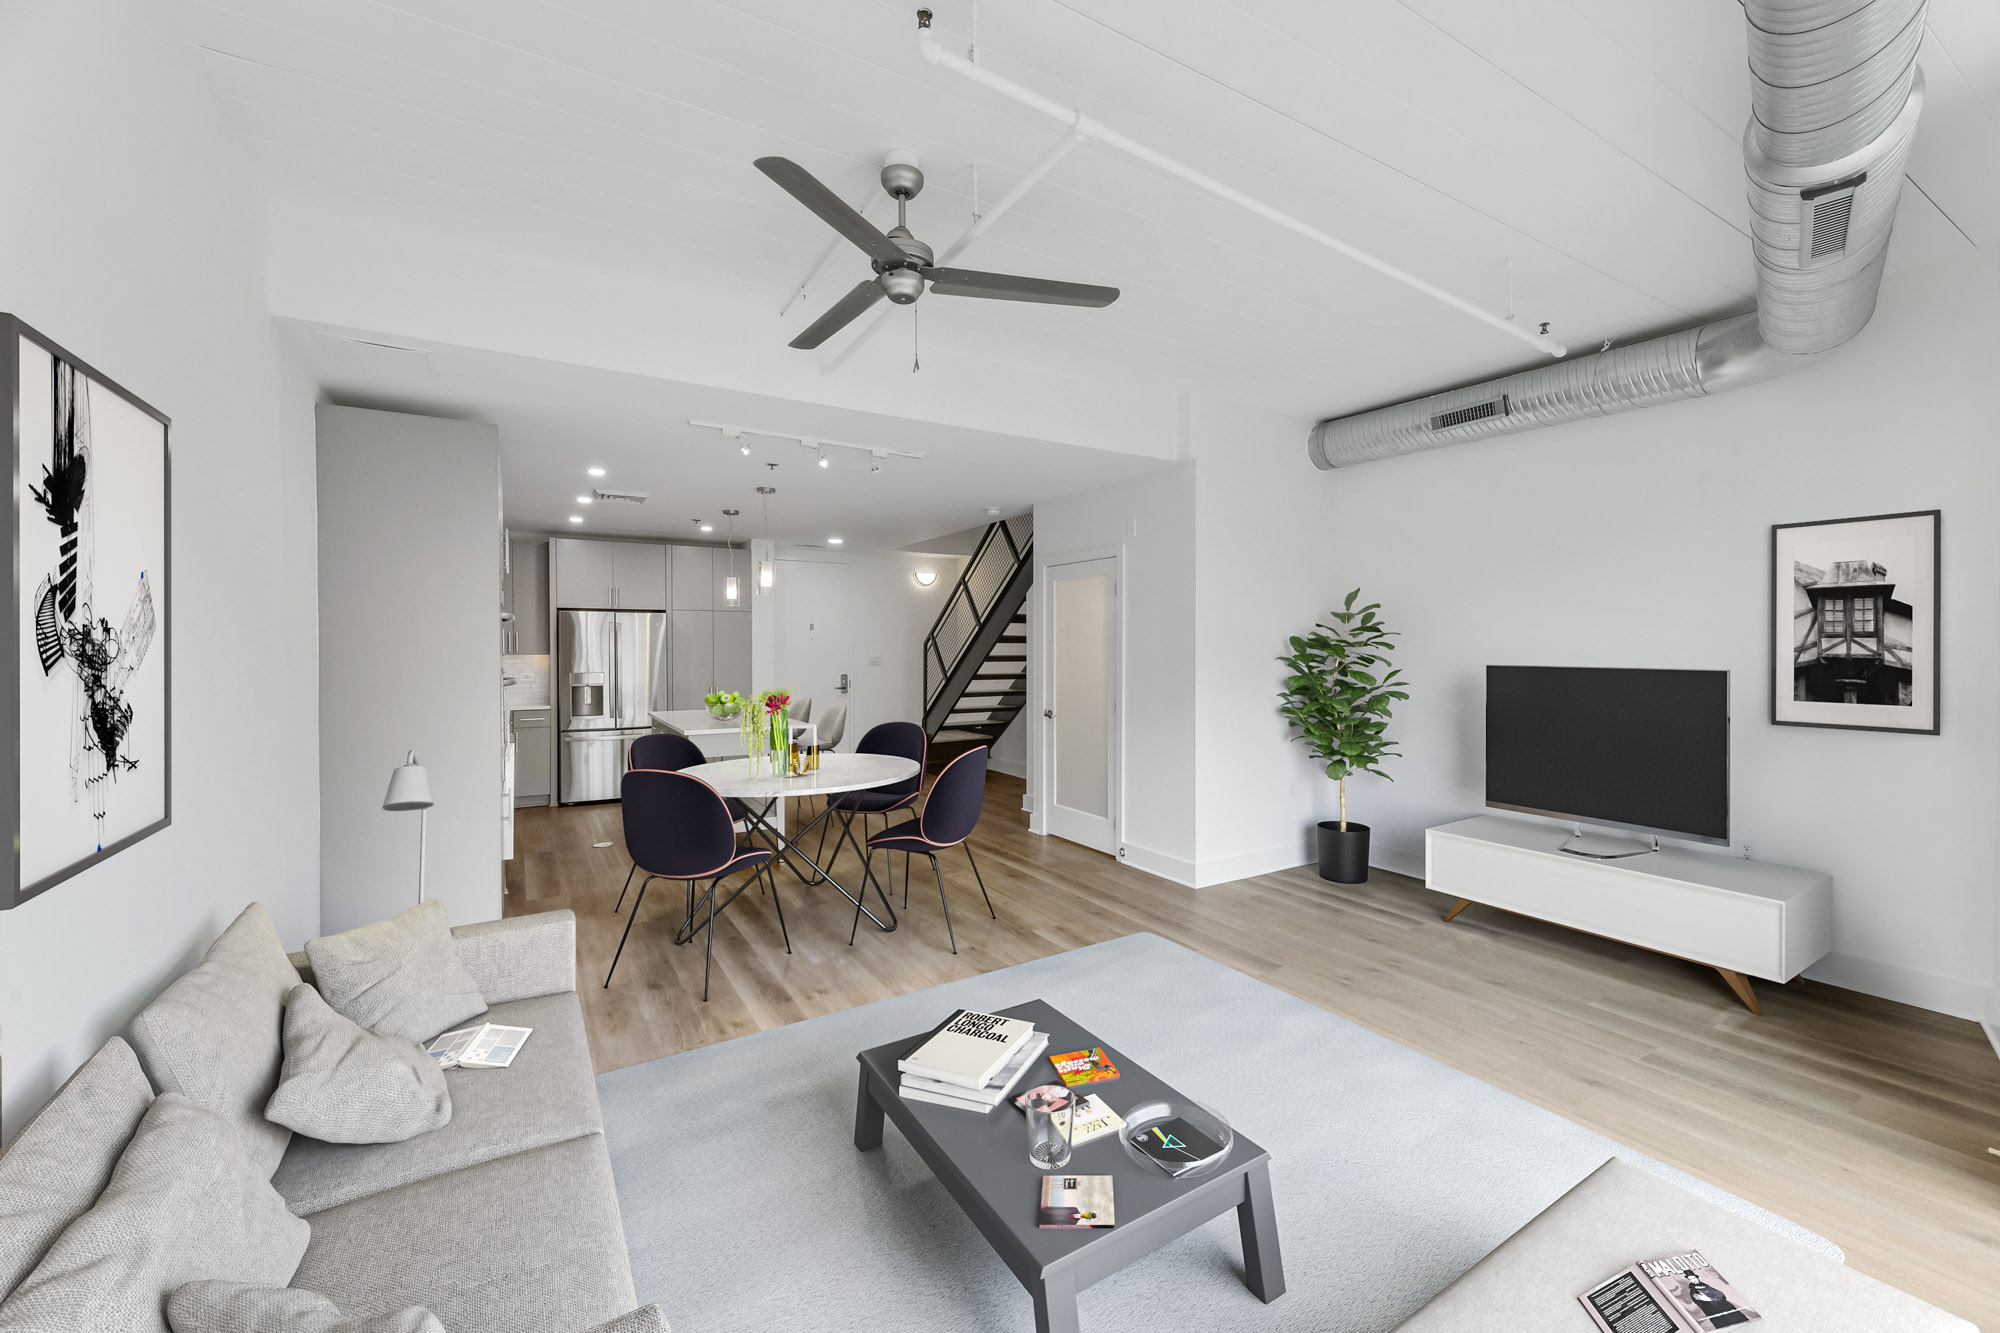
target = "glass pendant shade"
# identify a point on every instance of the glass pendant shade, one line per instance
(767, 575)
(732, 591)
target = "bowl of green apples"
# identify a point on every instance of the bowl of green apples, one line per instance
(724, 705)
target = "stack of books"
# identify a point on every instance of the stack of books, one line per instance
(972, 1062)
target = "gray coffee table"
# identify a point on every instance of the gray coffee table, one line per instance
(983, 1161)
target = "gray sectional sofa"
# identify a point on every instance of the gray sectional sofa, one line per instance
(503, 1221)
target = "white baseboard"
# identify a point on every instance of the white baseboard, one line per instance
(1013, 768)
(1992, 1035)
(1175, 868)
(1242, 865)
(1991, 1023)
(1907, 985)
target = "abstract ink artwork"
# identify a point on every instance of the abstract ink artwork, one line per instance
(90, 734)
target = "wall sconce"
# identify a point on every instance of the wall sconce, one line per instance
(924, 578)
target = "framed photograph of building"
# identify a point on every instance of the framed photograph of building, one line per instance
(1854, 623)
(86, 732)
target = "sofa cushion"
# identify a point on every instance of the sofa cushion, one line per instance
(215, 1035)
(527, 1244)
(400, 977)
(184, 1202)
(547, 1095)
(645, 1319)
(238, 1307)
(61, 1162)
(344, 1084)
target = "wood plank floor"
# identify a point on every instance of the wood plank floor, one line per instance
(1865, 1120)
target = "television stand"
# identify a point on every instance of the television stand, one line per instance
(1745, 919)
(1601, 847)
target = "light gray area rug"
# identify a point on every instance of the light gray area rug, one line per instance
(747, 1207)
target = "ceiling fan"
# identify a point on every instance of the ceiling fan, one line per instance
(902, 262)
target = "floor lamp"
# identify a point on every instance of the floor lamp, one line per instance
(410, 789)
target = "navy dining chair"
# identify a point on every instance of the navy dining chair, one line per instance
(904, 740)
(949, 815)
(667, 752)
(678, 827)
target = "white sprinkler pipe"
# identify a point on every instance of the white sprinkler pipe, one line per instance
(934, 52)
(1078, 134)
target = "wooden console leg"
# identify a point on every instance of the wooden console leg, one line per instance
(1458, 907)
(1741, 985)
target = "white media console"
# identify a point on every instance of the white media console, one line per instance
(1743, 918)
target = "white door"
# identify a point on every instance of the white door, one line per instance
(815, 632)
(1080, 715)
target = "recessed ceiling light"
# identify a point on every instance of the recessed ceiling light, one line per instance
(583, 499)
(835, 541)
(576, 518)
(708, 527)
(824, 461)
(597, 472)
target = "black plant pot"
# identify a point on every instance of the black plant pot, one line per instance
(1343, 855)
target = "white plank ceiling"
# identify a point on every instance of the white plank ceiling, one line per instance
(1568, 161)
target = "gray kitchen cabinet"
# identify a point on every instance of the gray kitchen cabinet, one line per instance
(639, 575)
(527, 596)
(534, 755)
(580, 572)
(732, 650)
(692, 656)
(694, 578)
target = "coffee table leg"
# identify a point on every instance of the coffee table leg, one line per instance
(867, 1118)
(1055, 1304)
(1257, 1219)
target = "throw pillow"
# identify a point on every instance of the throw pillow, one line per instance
(62, 1161)
(237, 1307)
(344, 1084)
(645, 1319)
(400, 977)
(213, 1035)
(185, 1202)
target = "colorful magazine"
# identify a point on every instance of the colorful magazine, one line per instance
(1676, 1293)
(1072, 1203)
(1088, 1066)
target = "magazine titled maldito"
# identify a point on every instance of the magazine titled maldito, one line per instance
(1676, 1293)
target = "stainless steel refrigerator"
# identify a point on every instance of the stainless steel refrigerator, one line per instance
(610, 672)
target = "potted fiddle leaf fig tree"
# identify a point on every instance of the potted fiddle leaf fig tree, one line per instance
(1338, 693)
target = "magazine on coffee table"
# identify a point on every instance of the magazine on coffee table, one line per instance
(488, 1046)
(1676, 1293)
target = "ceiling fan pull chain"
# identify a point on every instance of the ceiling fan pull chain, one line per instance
(916, 358)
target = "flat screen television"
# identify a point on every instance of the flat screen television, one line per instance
(1638, 749)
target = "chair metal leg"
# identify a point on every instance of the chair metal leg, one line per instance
(967, 844)
(708, 959)
(867, 878)
(779, 903)
(935, 870)
(636, 903)
(906, 879)
(628, 887)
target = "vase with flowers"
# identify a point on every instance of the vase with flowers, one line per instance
(767, 729)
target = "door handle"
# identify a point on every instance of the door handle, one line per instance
(1049, 713)
(843, 682)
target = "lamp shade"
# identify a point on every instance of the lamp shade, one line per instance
(409, 787)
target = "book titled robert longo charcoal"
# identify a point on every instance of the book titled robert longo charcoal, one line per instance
(968, 1050)
(1676, 1293)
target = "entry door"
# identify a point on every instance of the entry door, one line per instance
(1081, 714)
(815, 615)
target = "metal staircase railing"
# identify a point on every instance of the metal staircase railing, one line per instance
(980, 637)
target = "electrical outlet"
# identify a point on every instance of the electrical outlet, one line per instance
(1131, 527)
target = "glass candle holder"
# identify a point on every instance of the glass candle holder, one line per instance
(1051, 1119)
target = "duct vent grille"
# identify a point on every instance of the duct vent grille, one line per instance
(1829, 226)
(622, 497)
(1459, 416)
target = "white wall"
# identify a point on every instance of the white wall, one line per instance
(409, 633)
(1151, 519)
(130, 236)
(1645, 539)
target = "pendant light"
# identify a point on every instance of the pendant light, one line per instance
(732, 587)
(767, 570)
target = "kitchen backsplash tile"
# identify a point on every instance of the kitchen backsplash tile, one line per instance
(531, 679)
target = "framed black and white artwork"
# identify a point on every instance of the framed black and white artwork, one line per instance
(1854, 633)
(86, 746)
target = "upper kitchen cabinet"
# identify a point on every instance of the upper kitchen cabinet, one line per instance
(639, 575)
(580, 573)
(595, 575)
(694, 578)
(527, 595)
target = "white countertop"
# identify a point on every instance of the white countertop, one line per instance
(696, 722)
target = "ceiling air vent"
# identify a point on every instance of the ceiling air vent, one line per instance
(622, 497)
(1459, 416)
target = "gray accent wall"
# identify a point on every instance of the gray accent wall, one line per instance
(409, 633)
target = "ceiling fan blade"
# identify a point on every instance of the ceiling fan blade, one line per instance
(803, 186)
(1007, 287)
(844, 312)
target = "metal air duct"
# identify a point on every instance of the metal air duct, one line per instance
(1835, 97)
